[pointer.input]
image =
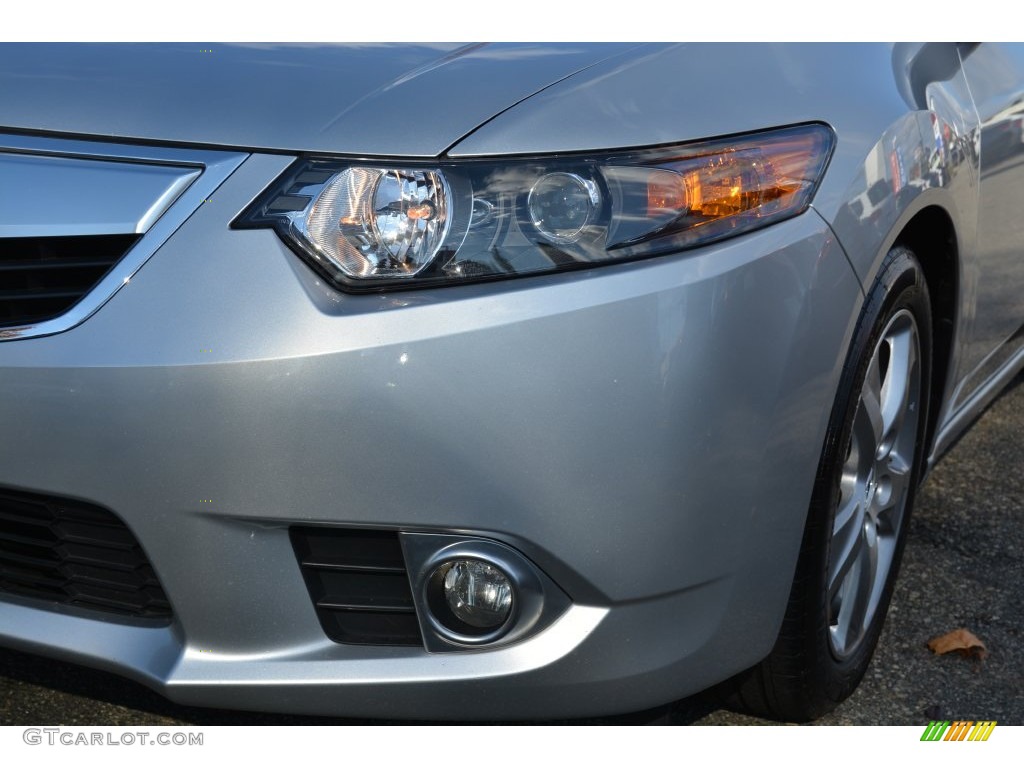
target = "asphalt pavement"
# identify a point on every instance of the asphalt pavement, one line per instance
(962, 569)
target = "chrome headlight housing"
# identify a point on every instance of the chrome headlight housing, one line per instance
(371, 225)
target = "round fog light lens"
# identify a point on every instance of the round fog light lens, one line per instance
(478, 594)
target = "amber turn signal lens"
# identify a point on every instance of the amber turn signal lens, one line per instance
(737, 178)
(667, 191)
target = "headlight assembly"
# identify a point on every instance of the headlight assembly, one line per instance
(369, 225)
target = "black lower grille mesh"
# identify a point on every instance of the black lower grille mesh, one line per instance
(43, 277)
(75, 553)
(359, 585)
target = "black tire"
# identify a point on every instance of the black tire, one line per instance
(810, 670)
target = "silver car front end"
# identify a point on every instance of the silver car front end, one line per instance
(642, 435)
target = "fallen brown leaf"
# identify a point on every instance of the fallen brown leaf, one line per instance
(961, 641)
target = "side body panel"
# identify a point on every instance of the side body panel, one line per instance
(994, 315)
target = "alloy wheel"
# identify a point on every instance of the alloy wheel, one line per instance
(874, 484)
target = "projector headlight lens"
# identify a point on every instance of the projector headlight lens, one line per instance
(561, 205)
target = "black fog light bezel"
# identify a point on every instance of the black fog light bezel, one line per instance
(527, 594)
(536, 600)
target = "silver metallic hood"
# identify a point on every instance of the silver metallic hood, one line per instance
(373, 99)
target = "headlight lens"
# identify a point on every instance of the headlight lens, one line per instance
(378, 222)
(561, 205)
(368, 225)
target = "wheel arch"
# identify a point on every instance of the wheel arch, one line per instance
(932, 236)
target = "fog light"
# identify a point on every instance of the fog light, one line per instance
(477, 594)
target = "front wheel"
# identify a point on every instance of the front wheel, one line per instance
(857, 523)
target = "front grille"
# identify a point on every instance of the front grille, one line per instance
(359, 585)
(75, 553)
(43, 277)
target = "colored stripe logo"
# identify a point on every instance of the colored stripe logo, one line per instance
(958, 730)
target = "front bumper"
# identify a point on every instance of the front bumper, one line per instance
(646, 434)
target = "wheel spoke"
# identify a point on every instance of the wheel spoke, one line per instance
(871, 402)
(861, 591)
(847, 514)
(846, 551)
(840, 630)
(895, 390)
(867, 431)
